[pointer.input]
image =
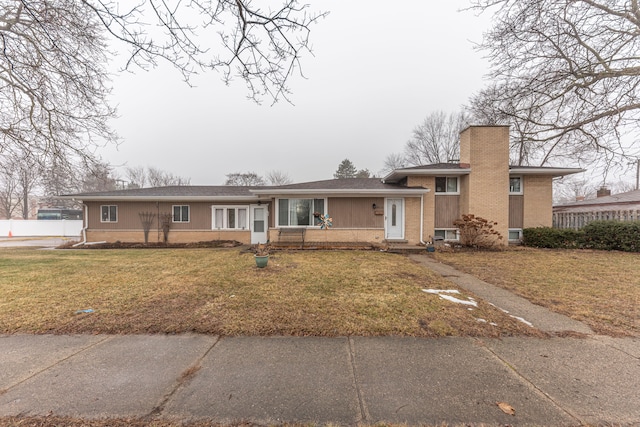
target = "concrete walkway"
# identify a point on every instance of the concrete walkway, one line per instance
(348, 380)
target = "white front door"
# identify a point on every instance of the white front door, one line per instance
(394, 219)
(259, 223)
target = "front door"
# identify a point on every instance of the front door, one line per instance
(394, 219)
(259, 224)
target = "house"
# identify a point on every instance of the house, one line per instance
(605, 207)
(410, 205)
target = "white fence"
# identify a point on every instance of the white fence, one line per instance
(578, 220)
(34, 228)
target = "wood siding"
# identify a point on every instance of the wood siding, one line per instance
(516, 211)
(355, 212)
(447, 210)
(129, 215)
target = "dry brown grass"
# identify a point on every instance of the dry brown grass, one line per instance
(222, 292)
(599, 288)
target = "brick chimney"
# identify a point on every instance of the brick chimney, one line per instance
(579, 198)
(603, 192)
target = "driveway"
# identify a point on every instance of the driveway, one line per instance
(36, 242)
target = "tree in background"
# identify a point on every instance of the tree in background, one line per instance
(278, 178)
(346, 169)
(139, 177)
(247, 179)
(53, 58)
(20, 173)
(566, 77)
(99, 178)
(435, 140)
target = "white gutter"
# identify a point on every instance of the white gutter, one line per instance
(125, 198)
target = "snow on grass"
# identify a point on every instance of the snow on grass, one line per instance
(443, 293)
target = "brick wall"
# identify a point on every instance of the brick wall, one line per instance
(538, 201)
(485, 192)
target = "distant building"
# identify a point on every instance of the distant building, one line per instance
(605, 207)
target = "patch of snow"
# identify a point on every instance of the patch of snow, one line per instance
(526, 322)
(442, 293)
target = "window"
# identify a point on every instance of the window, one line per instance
(515, 234)
(181, 213)
(515, 185)
(230, 217)
(300, 212)
(448, 184)
(446, 234)
(109, 213)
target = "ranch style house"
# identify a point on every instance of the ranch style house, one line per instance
(411, 205)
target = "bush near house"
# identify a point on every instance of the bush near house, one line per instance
(553, 238)
(602, 235)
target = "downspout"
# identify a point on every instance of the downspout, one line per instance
(422, 242)
(85, 225)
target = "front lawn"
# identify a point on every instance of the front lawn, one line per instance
(222, 292)
(599, 288)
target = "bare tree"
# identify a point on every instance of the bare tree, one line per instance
(139, 177)
(160, 178)
(392, 162)
(566, 77)
(20, 174)
(436, 139)
(278, 178)
(99, 178)
(54, 85)
(247, 179)
(136, 177)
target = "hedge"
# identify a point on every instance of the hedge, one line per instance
(603, 235)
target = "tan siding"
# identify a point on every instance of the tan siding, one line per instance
(516, 211)
(447, 210)
(129, 215)
(355, 212)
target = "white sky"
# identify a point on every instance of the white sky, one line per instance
(378, 70)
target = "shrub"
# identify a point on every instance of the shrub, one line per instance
(555, 238)
(477, 232)
(612, 236)
(602, 235)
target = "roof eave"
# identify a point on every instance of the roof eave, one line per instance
(515, 170)
(162, 198)
(397, 175)
(342, 192)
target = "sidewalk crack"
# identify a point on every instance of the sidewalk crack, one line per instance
(57, 362)
(364, 413)
(529, 383)
(182, 381)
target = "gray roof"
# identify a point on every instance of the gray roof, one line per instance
(350, 186)
(628, 200)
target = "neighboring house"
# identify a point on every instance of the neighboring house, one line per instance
(606, 207)
(411, 205)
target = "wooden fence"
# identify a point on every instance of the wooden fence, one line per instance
(578, 220)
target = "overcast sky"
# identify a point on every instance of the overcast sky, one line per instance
(378, 70)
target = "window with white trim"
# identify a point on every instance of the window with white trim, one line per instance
(447, 184)
(515, 234)
(180, 213)
(108, 213)
(515, 185)
(230, 217)
(445, 234)
(300, 212)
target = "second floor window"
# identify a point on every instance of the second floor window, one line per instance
(446, 184)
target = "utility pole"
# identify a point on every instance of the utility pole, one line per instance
(638, 173)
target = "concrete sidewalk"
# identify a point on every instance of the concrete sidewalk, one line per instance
(558, 381)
